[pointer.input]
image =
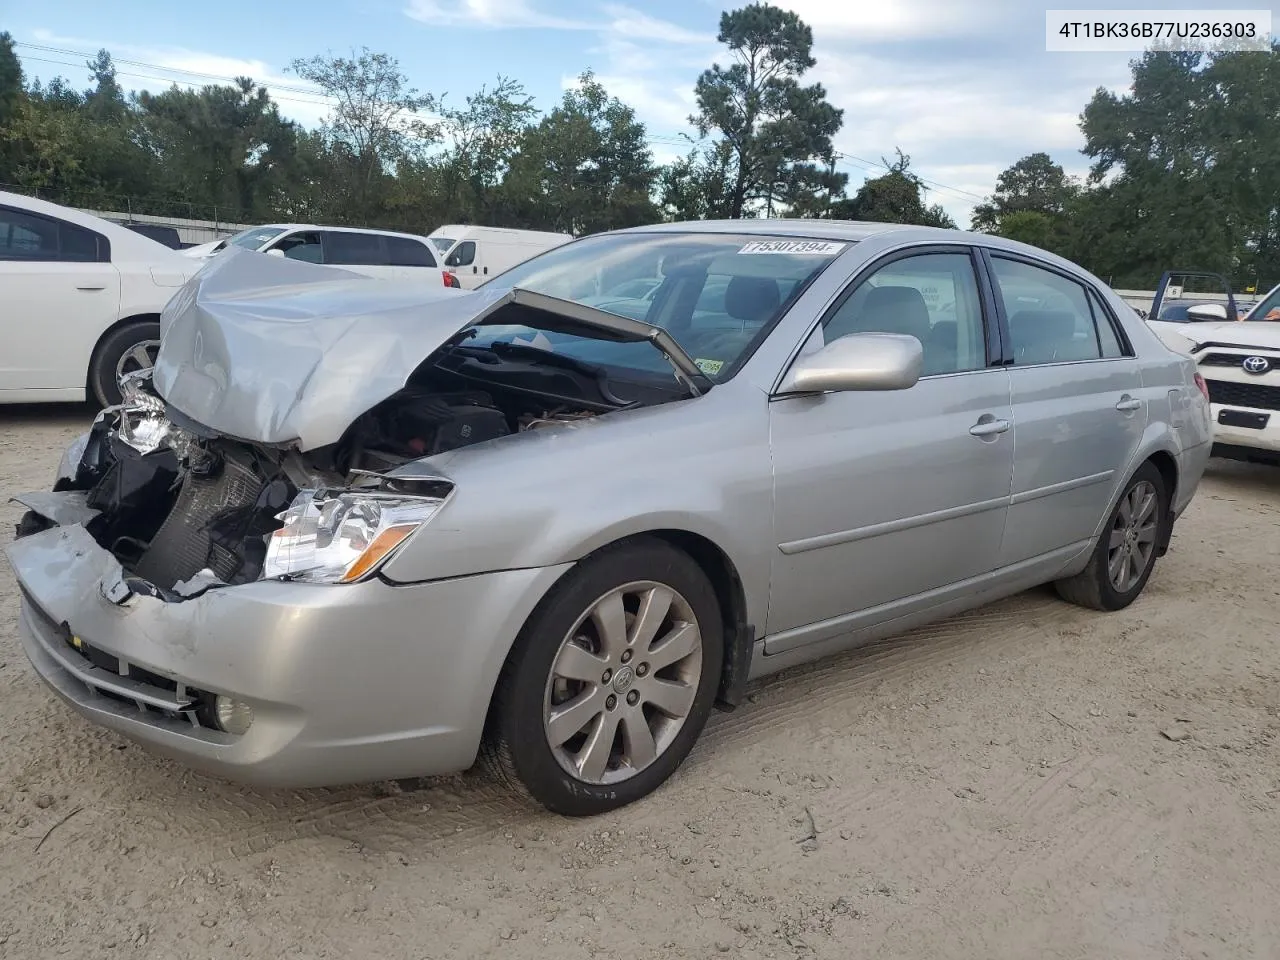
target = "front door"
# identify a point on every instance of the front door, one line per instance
(1079, 407)
(883, 496)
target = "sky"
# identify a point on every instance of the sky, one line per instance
(963, 87)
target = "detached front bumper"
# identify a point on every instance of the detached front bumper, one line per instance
(348, 683)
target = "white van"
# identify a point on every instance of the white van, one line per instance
(474, 254)
(375, 253)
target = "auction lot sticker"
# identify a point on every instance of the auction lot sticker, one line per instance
(822, 248)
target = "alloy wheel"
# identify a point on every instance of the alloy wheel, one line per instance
(623, 683)
(141, 356)
(1133, 536)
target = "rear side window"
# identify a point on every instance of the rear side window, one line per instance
(355, 249)
(27, 236)
(1049, 317)
(1108, 336)
(403, 252)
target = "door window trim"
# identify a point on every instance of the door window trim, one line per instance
(994, 336)
(991, 254)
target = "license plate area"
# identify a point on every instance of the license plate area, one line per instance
(1243, 418)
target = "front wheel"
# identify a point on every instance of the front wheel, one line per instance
(611, 681)
(130, 348)
(1126, 552)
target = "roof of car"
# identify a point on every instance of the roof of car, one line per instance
(320, 226)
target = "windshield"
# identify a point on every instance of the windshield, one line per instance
(442, 243)
(254, 237)
(1268, 309)
(716, 294)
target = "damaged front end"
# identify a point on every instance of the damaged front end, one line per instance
(183, 513)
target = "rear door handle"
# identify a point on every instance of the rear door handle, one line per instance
(102, 287)
(1128, 404)
(989, 428)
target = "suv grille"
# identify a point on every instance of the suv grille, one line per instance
(1255, 395)
(1226, 359)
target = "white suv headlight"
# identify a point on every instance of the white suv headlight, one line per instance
(341, 536)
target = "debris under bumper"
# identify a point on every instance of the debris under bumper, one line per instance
(366, 682)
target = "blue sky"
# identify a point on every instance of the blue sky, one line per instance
(964, 87)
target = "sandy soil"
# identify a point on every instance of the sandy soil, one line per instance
(996, 786)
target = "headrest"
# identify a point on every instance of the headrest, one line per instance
(752, 299)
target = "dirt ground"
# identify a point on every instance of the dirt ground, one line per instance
(996, 786)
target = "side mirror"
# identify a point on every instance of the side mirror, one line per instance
(274, 252)
(859, 361)
(1207, 312)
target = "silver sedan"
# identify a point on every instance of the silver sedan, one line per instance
(348, 530)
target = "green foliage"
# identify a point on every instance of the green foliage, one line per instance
(769, 128)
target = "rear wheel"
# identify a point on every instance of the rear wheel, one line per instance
(611, 681)
(130, 348)
(1126, 552)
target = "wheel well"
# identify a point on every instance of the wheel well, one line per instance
(93, 354)
(1168, 468)
(739, 636)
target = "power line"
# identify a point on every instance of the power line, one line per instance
(309, 91)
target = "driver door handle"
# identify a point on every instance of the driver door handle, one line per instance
(989, 428)
(1128, 404)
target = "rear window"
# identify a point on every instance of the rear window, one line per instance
(28, 236)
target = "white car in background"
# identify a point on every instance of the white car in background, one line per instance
(1240, 363)
(374, 253)
(80, 302)
(476, 254)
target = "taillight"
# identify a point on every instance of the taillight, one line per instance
(1204, 387)
(451, 281)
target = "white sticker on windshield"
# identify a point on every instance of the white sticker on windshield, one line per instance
(821, 248)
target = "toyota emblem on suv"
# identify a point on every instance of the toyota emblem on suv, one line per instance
(1256, 365)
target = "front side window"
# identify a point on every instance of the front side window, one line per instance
(31, 237)
(1049, 317)
(304, 245)
(930, 296)
(464, 256)
(718, 295)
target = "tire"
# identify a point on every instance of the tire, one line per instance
(1094, 587)
(120, 352)
(558, 768)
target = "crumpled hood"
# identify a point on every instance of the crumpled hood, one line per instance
(282, 352)
(1260, 334)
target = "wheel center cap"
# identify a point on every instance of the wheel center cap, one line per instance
(623, 679)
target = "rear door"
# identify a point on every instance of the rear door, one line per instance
(1079, 406)
(59, 293)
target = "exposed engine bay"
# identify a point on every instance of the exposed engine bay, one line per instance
(184, 510)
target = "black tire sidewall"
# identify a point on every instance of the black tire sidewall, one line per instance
(103, 388)
(521, 718)
(1112, 598)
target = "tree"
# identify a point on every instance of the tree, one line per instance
(585, 167)
(1035, 184)
(11, 83)
(375, 124)
(772, 129)
(894, 197)
(481, 140)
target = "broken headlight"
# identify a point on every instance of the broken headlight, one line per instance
(341, 536)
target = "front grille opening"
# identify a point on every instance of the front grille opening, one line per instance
(1256, 395)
